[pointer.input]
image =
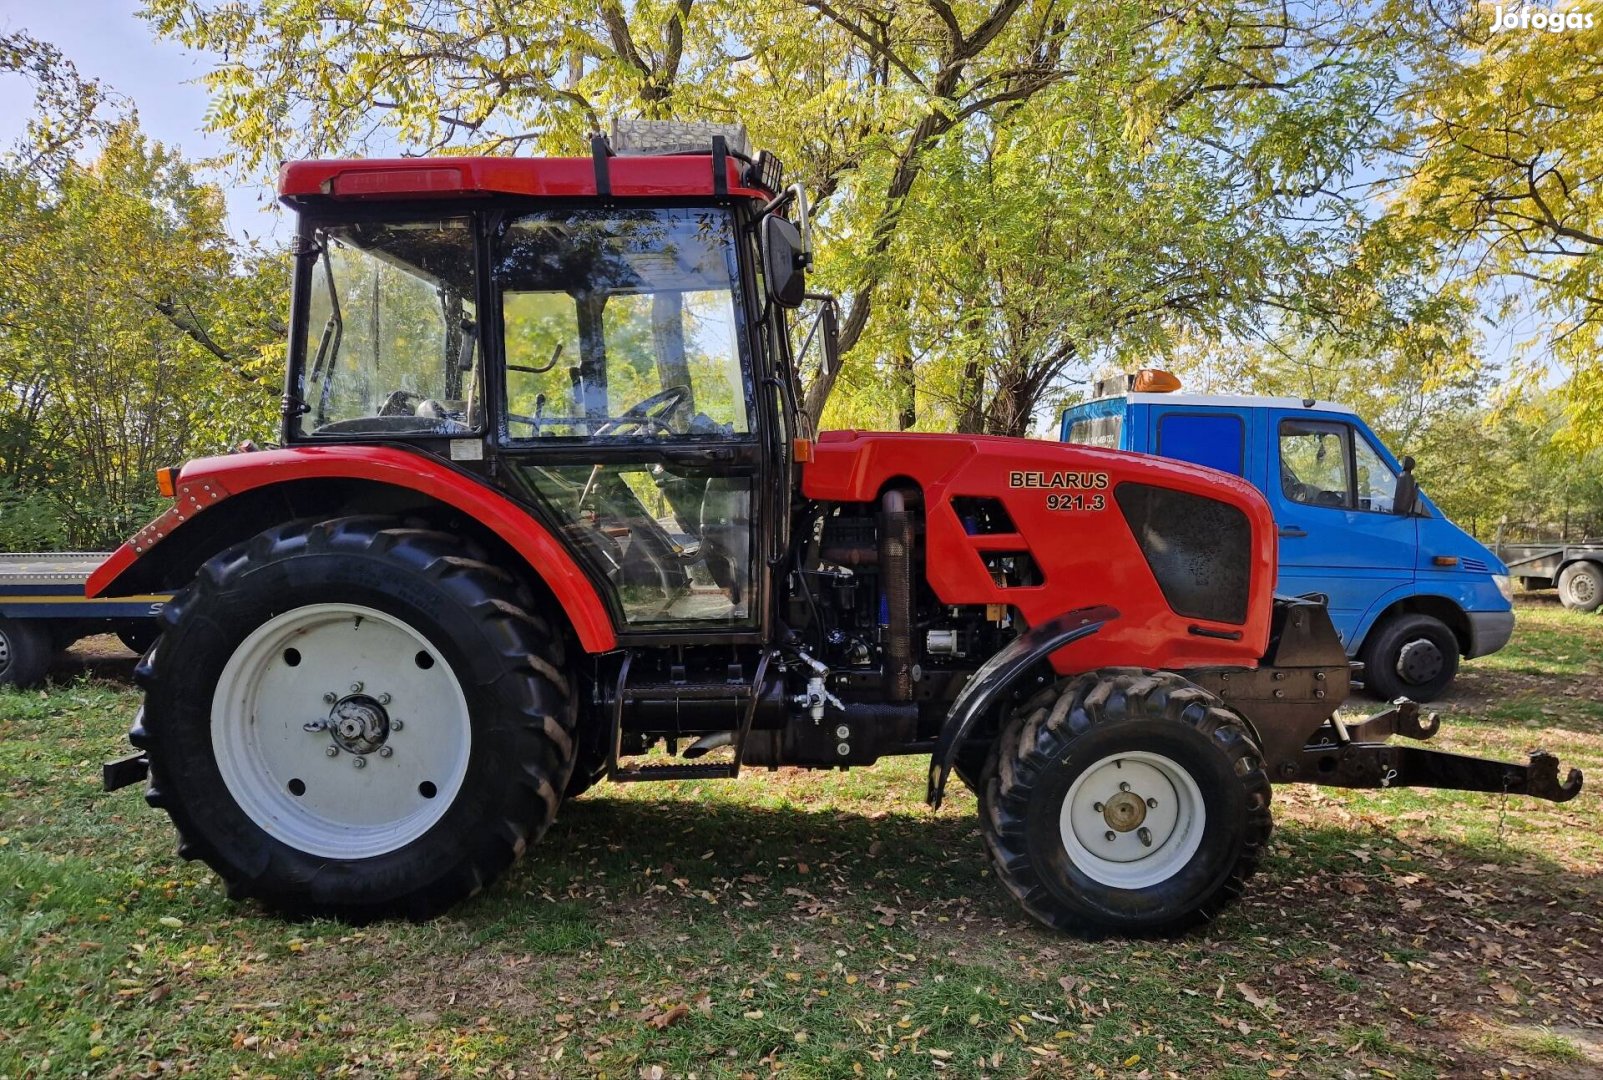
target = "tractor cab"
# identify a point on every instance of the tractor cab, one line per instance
(619, 362)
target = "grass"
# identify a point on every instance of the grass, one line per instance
(825, 925)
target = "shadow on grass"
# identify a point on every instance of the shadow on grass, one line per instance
(755, 863)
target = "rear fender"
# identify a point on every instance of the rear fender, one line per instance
(997, 677)
(207, 482)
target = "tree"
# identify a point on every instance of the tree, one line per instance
(1248, 110)
(133, 334)
(1503, 143)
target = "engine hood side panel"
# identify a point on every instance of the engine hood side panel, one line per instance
(1061, 501)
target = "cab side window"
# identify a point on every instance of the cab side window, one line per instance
(1313, 462)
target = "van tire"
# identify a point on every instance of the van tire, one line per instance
(1410, 655)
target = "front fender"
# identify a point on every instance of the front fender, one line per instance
(997, 675)
(206, 482)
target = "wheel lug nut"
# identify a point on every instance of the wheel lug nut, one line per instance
(332, 751)
(396, 725)
(1111, 836)
(330, 698)
(356, 688)
(384, 699)
(1145, 836)
(314, 725)
(1123, 786)
(1097, 807)
(1152, 804)
(360, 762)
(385, 751)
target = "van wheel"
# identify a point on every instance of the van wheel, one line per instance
(25, 651)
(1125, 801)
(1412, 656)
(1580, 586)
(355, 719)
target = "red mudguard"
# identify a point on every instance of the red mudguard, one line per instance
(205, 482)
(1061, 500)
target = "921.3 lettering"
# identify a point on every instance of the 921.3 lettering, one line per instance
(1076, 501)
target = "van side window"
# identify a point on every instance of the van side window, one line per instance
(1313, 462)
(1101, 431)
(1217, 441)
(1377, 484)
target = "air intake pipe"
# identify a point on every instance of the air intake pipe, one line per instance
(896, 580)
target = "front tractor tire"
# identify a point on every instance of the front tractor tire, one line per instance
(1125, 802)
(355, 719)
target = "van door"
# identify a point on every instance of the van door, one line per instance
(1332, 500)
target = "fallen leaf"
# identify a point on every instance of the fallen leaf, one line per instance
(664, 1020)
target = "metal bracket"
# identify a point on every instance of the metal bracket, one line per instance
(124, 772)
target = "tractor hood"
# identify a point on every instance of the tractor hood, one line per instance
(1186, 554)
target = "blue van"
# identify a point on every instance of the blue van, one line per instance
(1409, 591)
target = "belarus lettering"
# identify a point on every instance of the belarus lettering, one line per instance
(1079, 481)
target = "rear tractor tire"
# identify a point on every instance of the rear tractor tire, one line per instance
(1127, 802)
(1580, 586)
(1412, 656)
(355, 719)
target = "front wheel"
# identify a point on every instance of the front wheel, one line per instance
(1580, 586)
(1412, 656)
(355, 719)
(1125, 801)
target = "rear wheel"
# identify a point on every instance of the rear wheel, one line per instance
(25, 651)
(355, 719)
(1412, 656)
(1580, 586)
(1125, 801)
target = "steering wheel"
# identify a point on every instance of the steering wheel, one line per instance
(653, 411)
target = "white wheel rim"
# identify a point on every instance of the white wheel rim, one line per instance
(390, 702)
(1148, 845)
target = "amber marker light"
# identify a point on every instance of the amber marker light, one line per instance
(167, 481)
(1154, 381)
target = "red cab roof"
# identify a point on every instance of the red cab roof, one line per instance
(451, 177)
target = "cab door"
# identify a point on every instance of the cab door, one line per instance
(628, 412)
(1331, 490)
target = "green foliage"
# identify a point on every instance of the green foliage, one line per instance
(133, 334)
(1503, 140)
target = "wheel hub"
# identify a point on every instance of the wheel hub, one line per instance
(359, 724)
(1132, 819)
(1124, 811)
(1420, 661)
(1583, 588)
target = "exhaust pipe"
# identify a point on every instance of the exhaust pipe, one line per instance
(896, 581)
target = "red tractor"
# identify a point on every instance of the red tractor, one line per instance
(546, 513)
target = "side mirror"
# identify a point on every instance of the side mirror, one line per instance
(784, 262)
(1407, 495)
(830, 317)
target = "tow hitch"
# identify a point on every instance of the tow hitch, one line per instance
(1358, 756)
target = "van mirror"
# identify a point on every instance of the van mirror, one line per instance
(1406, 499)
